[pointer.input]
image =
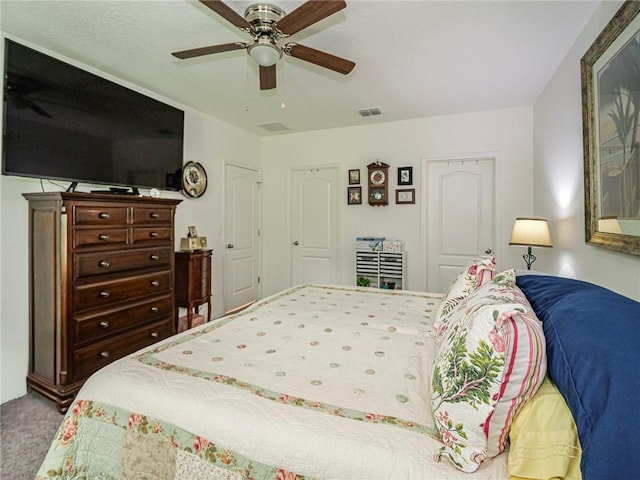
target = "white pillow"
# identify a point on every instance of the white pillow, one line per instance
(490, 362)
(473, 275)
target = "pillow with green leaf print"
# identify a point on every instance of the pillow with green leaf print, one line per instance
(473, 275)
(490, 362)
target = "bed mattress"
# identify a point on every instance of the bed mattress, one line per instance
(326, 382)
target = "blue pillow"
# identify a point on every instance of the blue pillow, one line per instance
(593, 355)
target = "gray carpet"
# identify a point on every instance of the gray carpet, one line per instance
(28, 426)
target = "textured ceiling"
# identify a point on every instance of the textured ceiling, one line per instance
(413, 58)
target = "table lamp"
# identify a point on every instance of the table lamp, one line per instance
(530, 232)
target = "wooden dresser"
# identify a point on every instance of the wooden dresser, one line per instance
(101, 274)
(193, 282)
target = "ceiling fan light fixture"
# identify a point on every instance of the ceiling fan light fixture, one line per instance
(265, 52)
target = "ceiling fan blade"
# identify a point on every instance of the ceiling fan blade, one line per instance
(198, 52)
(267, 77)
(323, 59)
(227, 13)
(307, 14)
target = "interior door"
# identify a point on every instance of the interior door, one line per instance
(460, 216)
(242, 230)
(314, 225)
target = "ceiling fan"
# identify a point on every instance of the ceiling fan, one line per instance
(268, 24)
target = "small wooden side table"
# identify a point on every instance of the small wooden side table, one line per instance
(193, 282)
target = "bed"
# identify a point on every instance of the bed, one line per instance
(329, 382)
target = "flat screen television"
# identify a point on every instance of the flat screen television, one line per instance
(64, 123)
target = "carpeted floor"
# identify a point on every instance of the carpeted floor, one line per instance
(27, 428)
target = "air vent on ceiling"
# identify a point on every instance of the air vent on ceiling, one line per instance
(274, 126)
(370, 112)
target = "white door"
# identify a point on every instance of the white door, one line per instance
(242, 230)
(460, 216)
(314, 226)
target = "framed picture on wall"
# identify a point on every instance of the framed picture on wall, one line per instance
(610, 76)
(354, 176)
(354, 195)
(405, 196)
(405, 175)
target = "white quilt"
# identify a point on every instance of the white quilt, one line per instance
(326, 382)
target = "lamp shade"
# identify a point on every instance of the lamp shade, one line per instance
(531, 231)
(265, 52)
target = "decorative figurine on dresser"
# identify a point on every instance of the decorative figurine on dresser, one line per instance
(101, 277)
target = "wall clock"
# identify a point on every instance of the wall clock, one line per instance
(378, 181)
(194, 179)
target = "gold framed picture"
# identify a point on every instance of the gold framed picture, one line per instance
(610, 77)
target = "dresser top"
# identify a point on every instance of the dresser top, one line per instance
(99, 197)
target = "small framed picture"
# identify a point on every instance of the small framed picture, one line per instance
(405, 175)
(192, 232)
(354, 195)
(406, 196)
(354, 176)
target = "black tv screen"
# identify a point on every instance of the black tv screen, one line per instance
(61, 122)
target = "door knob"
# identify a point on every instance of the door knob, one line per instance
(229, 245)
(487, 251)
(296, 242)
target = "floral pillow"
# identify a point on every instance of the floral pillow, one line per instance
(473, 275)
(490, 362)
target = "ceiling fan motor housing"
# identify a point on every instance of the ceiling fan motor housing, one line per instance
(262, 17)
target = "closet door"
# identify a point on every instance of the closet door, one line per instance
(460, 216)
(314, 226)
(242, 233)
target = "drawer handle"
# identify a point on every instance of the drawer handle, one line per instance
(104, 215)
(104, 294)
(154, 309)
(155, 257)
(104, 324)
(104, 354)
(155, 215)
(104, 263)
(154, 334)
(155, 283)
(153, 234)
(103, 237)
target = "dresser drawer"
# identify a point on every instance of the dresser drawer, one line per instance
(93, 326)
(99, 215)
(151, 234)
(99, 263)
(143, 215)
(101, 294)
(92, 357)
(99, 236)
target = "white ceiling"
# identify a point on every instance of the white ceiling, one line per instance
(413, 58)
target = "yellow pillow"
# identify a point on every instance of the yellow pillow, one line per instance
(544, 439)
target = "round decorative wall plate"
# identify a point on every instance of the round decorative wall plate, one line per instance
(194, 179)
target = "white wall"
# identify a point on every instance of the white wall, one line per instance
(558, 175)
(505, 132)
(207, 140)
(214, 144)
